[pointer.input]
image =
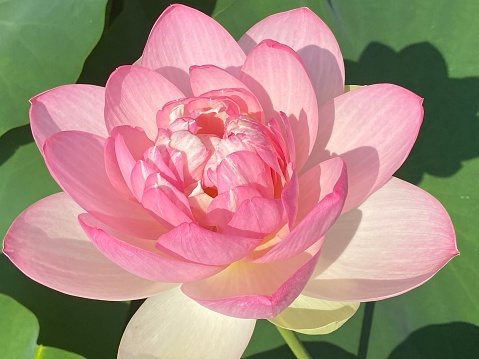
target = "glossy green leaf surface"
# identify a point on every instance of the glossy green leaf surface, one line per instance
(19, 332)
(42, 44)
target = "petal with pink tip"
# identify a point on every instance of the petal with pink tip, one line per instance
(257, 218)
(254, 290)
(133, 96)
(277, 77)
(314, 316)
(316, 223)
(140, 257)
(75, 160)
(171, 325)
(200, 245)
(396, 240)
(373, 129)
(47, 243)
(69, 107)
(183, 37)
(303, 31)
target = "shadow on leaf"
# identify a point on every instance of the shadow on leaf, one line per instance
(450, 129)
(441, 341)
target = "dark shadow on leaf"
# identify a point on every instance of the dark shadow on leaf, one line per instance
(13, 140)
(450, 129)
(315, 349)
(442, 341)
(125, 36)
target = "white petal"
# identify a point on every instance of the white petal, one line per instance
(171, 325)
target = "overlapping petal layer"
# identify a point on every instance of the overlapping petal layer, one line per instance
(396, 240)
(47, 244)
(171, 325)
(231, 173)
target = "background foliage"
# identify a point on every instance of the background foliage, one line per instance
(429, 46)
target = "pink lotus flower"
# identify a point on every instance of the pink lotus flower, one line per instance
(229, 182)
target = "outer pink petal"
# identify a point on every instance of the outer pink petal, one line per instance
(373, 129)
(134, 95)
(254, 290)
(47, 243)
(317, 222)
(69, 107)
(314, 42)
(275, 74)
(171, 325)
(200, 245)
(396, 240)
(75, 160)
(183, 37)
(140, 257)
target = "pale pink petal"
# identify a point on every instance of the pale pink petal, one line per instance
(373, 129)
(140, 257)
(244, 168)
(134, 95)
(169, 164)
(46, 243)
(113, 171)
(75, 160)
(316, 223)
(289, 198)
(310, 37)
(224, 206)
(313, 316)
(194, 152)
(123, 149)
(275, 74)
(254, 290)
(247, 103)
(69, 107)
(168, 204)
(208, 78)
(257, 218)
(257, 137)
(288, 137)
(396, 240)
(171, 325)
(183, 37)
(318, 182)
(140, 173)
(200, 245)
